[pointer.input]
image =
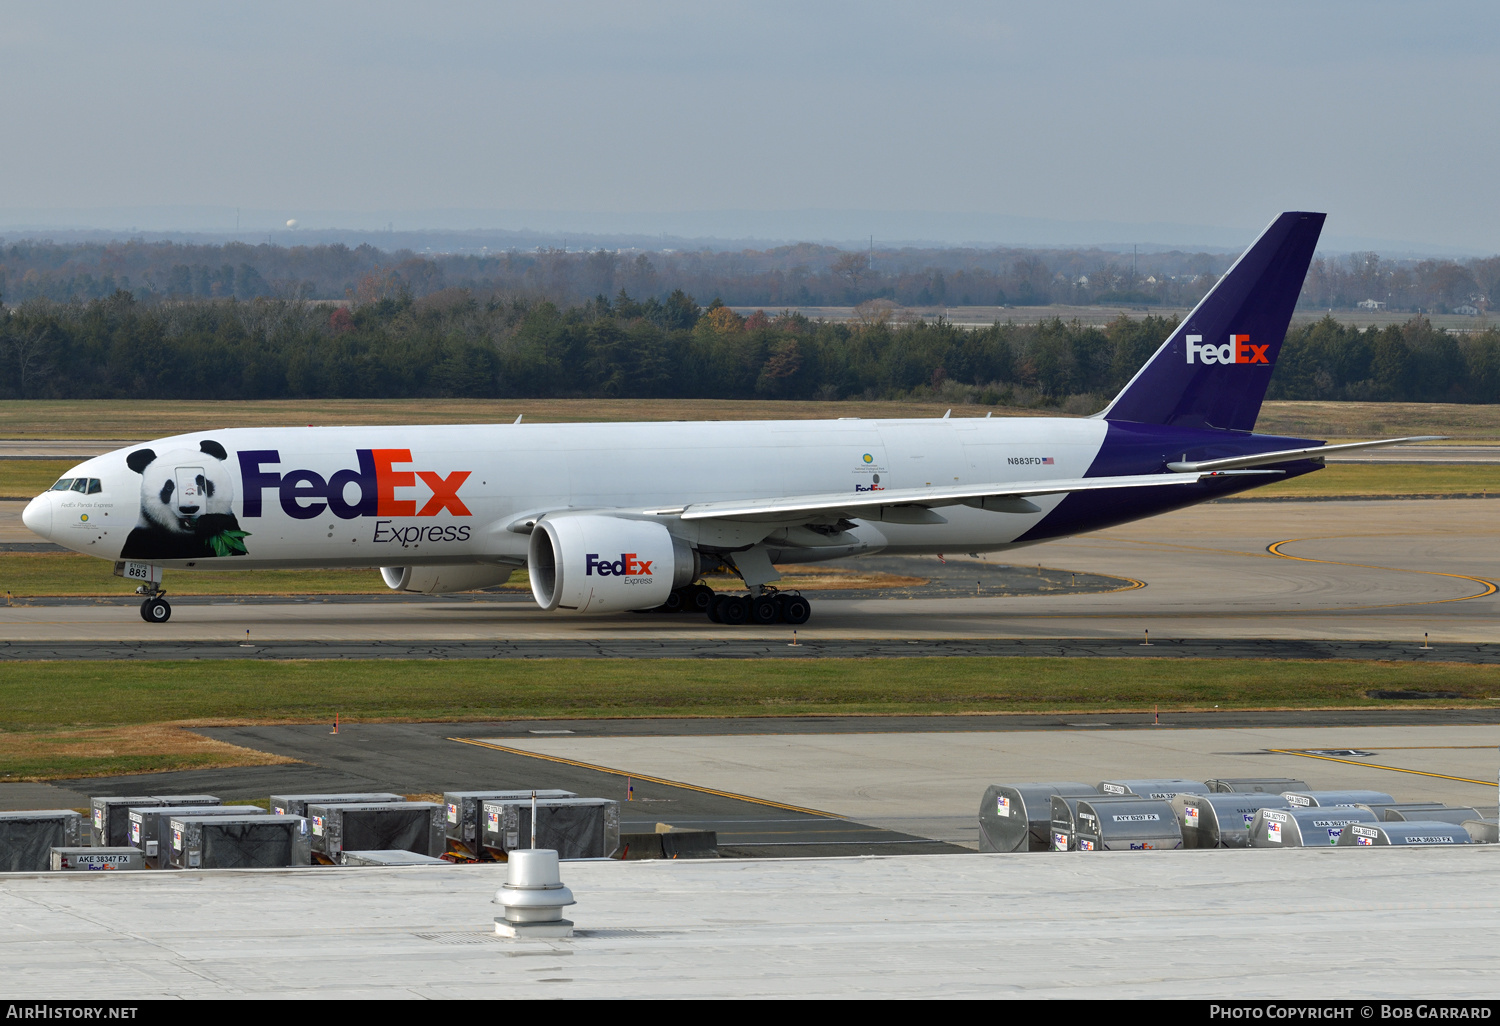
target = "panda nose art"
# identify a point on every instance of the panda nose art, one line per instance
(37, 516)
(187, 509)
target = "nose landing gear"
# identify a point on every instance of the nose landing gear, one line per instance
(156, 610)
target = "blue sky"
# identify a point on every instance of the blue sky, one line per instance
(762, 118)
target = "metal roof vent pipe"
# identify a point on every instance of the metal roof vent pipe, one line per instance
(533, 896)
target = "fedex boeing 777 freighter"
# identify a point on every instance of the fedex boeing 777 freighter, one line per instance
(614, 517)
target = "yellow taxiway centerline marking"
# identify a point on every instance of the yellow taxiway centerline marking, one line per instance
(1371, 765)
(1489, 587)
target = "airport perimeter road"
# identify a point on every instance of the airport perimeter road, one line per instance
(1423, 454)
(59, 448)
(1385, 571)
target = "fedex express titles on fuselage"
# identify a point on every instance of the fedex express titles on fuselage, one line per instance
(611, 517)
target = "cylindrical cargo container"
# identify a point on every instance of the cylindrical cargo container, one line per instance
(1402, 834)
(463, 812)
(1161, 790)
(575, 828)
(400, 857)
(1382, 810)
(1304, 827)
(1458, 816)
(296, 804)
(147, 825)
(1483, 831)
(1018, 817)
(1326, 799)
(111, 816)
(1221, 820)
(377, 826)
(88, 859)
(1064, 826)
(1144, 824)
(233, 842)
(1256, 785)
(27, 838)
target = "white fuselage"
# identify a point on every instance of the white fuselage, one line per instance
(422, 511)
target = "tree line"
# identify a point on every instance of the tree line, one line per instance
(450, 344)
(781, 277)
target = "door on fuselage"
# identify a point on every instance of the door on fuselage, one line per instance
(190, 500)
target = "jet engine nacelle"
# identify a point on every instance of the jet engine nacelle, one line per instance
(602, 564)
(444, 580)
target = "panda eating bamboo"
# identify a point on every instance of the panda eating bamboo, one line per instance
(187, 499)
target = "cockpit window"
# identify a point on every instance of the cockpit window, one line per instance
(80, 484)
(63, 485)
(95, 486)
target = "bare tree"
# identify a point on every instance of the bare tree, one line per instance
(852, 267)
(29, 349)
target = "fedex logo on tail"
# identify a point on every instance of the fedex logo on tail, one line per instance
(1237, 350)
(626, 566)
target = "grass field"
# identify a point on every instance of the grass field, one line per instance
(1351, 421)
(25, 478)
(125, 420)
(1350, 479)
(90, 718)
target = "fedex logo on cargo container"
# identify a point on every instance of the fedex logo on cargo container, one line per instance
(305, 494)
(626, 566)
(1237, 350)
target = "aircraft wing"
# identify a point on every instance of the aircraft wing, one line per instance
(914, 505)
(1315, 452)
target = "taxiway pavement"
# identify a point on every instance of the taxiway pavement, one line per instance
(1388, 571)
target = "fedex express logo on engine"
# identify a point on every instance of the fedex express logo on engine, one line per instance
(1237, 350)
(305, 494)
(626, 566)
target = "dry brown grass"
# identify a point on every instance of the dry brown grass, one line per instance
(128, 420)
(105, 751)
(823, 578)
(1375, 420)
(107, 418)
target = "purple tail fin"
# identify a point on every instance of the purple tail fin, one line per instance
(1214, 369)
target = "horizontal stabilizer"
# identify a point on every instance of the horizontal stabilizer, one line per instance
(1315, 452)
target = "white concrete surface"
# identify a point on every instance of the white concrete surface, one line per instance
(930, 784)
(1310, 923)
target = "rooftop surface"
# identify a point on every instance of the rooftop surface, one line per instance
(1308, 923)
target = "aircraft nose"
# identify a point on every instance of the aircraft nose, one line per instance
(37, 516)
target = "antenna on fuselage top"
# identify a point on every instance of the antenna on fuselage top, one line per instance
(518, 418)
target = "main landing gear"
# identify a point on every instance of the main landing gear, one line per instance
(762, 610)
